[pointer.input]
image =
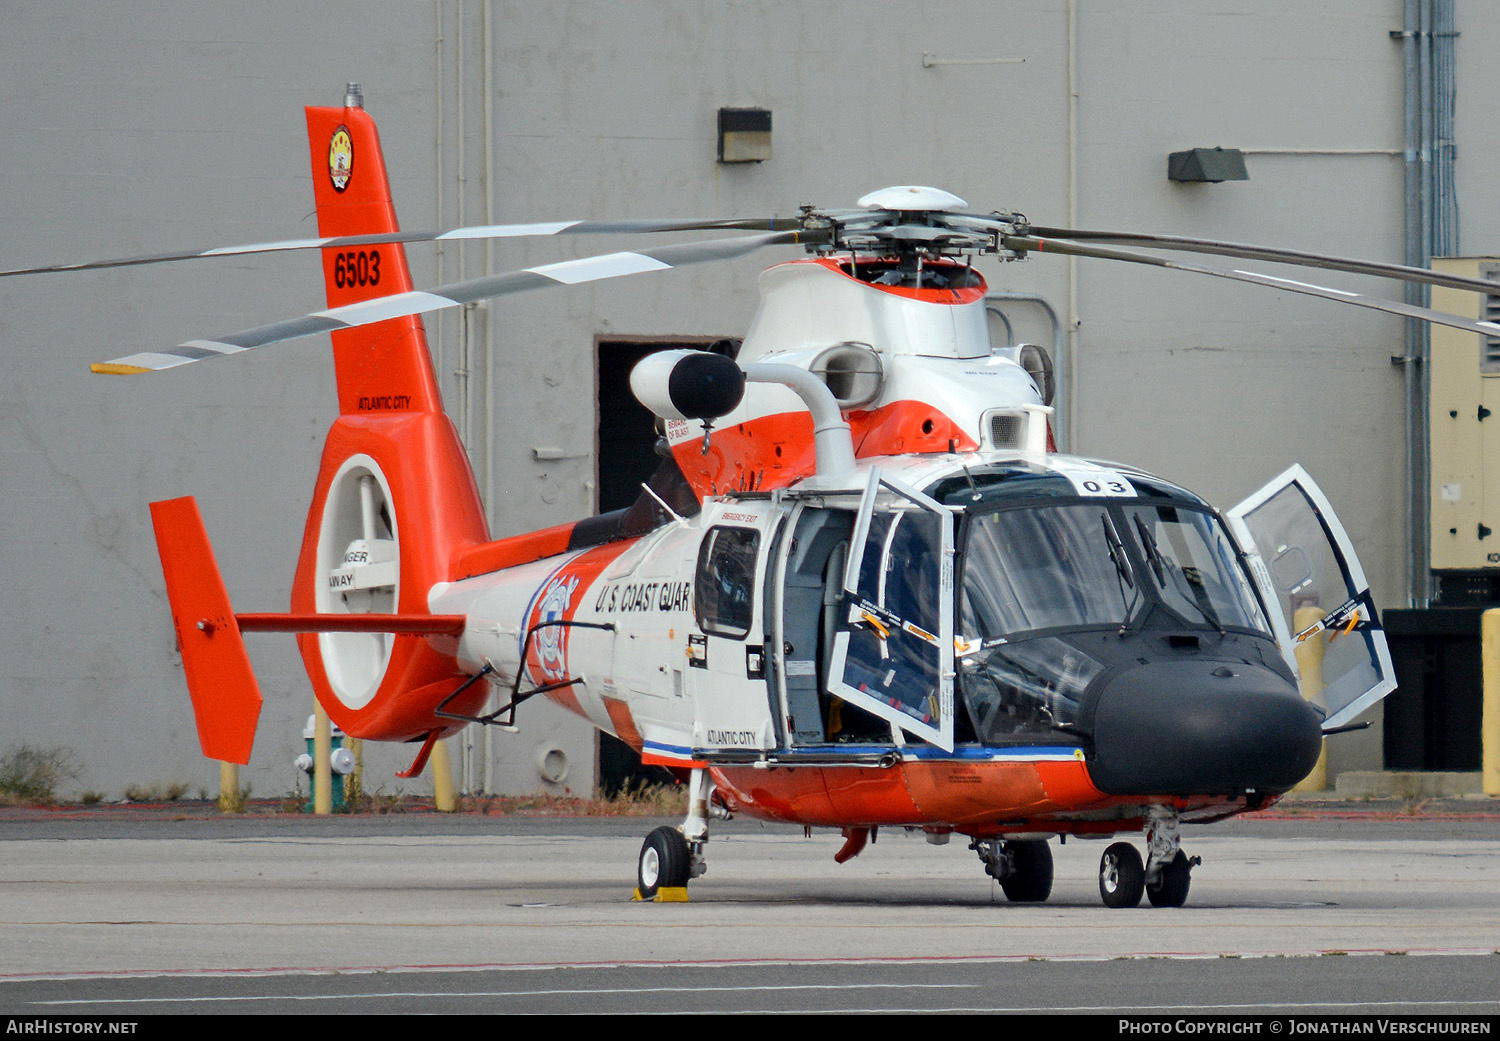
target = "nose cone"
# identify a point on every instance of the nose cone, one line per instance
(1201, 728)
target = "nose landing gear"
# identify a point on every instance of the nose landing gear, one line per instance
(1165, 876)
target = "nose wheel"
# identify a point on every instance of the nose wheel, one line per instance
(1122, 876)
(1163, 879)
(1170, 889)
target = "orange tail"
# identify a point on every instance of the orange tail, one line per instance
(395, 500)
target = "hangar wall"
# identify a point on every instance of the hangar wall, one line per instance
(141, 126)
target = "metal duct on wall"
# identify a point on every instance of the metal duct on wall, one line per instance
(1427, 38)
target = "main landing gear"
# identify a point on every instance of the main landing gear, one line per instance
(1165, 876)
(671, 857)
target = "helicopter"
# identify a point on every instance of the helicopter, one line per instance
(863, 588)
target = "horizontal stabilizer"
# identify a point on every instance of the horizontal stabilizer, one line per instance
(226, 698)
(422, 624)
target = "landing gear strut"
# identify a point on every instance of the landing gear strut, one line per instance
(1168, 869)
(1023, 867)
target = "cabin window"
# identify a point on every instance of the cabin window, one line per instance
(724, 594)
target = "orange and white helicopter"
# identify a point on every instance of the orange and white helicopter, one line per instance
(862, 590)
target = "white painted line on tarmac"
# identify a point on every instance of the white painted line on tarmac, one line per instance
(563, 992)
(729, 963)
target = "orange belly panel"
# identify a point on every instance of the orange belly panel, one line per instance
(796, 796)
(977, 793)
(1068, 785)
(976, 797)
(867, 796)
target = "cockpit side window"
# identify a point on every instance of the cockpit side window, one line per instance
(724, 593)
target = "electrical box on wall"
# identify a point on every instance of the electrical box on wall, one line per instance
(1464, 425)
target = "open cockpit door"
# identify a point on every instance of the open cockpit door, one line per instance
(893, 651)
(1321, 607)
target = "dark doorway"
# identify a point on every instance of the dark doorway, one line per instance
(627, 429)
(626, 460)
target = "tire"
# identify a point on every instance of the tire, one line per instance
(1122, 876)
(1171, 886)
(1030, 881)
(665, 862)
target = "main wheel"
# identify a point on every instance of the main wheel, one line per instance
(665, 861)
(1122, 876)
(1030, 880)
(1171, 886)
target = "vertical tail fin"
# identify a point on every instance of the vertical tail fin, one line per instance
(383, 367)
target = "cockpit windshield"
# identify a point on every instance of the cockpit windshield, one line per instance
(1092, 564)
(1051, 592)
(1059, 581)
(1040, 568)
(1195, 568)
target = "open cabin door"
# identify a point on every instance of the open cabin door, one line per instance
(893, 650)
(1316, 591)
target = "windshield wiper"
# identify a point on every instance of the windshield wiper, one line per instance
(1117, 553)
(1179, 578)
(1123, 573)
(1153, 554)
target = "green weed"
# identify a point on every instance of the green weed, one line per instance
(30, 774)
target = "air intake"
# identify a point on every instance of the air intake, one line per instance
(853, 372)
(1019, 428)
(1007, 430)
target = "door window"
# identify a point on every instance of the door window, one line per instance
(1311, 580)
(724, 594)
(893, 653)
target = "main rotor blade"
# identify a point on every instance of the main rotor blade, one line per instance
(1027, 243)
(482, 231)
(400, 305)
(1272, 254)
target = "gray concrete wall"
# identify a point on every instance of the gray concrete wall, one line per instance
(141, 126)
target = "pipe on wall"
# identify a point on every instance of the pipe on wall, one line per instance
(1431, 229)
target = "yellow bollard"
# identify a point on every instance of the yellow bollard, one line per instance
(442, 779)
(322, 762)
(229, 788)
(1309, 655)
(1489, 726)
(354, 784)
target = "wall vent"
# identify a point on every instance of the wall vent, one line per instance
(1489, 311)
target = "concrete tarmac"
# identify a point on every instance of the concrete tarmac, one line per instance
(98, 900)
